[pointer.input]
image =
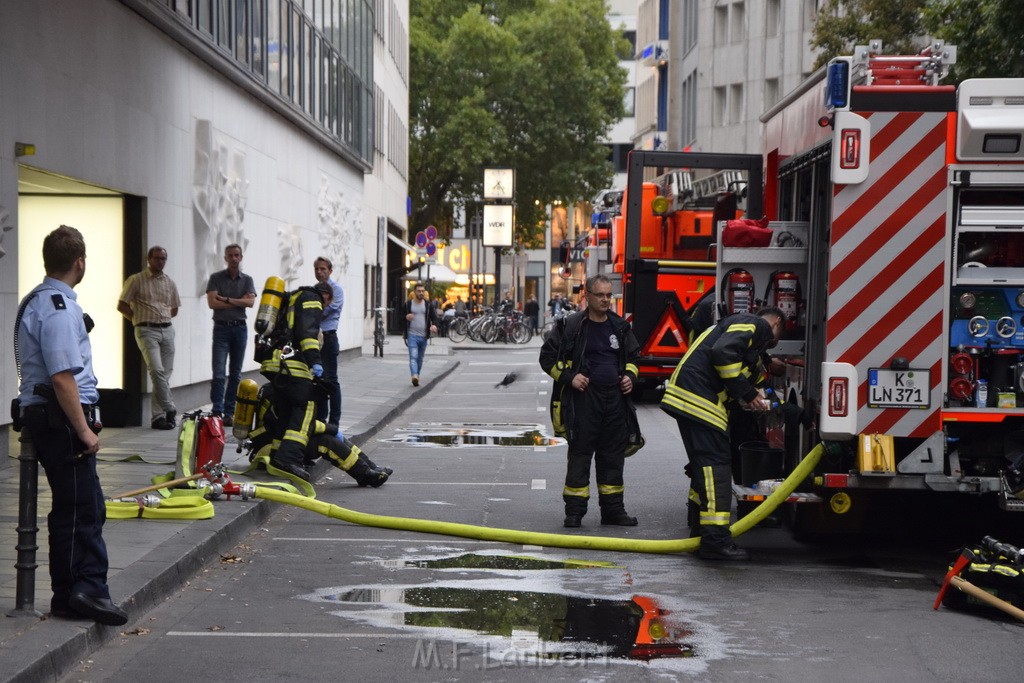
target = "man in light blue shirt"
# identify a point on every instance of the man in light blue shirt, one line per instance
(329, 409)
(57, 395)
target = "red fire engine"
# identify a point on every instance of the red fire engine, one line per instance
(897, 212)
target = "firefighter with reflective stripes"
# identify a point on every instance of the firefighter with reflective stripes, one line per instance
(291, 367)
(591, 354)
(720, 370)
(324, 442)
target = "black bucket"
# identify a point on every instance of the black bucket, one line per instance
(759, 461)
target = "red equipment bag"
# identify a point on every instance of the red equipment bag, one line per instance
(746, 232)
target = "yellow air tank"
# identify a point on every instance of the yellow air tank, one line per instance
(270, 305)
(245, 408)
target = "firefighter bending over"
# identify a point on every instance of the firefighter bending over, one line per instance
(323, 440)
(289, 356)
(720, 370)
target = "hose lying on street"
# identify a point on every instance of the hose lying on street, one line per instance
(548, 540)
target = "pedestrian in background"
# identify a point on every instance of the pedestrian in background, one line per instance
(592, 357)
(532, 311)
(328, 409)
(149, 300)
(420, 322)
(57, 396)
(228, 293)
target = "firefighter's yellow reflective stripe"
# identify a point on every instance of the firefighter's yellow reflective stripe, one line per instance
(632, 369)
(583, 492)
(709, 486)
(297, 437)
(730, 371)
(307, 344)
(312, 304)
(694, 496)
(698, 406)
(741, 327)
(693, 346)
(608, 489)
(344, 463)
(714, 519)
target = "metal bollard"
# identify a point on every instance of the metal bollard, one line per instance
(28, 500)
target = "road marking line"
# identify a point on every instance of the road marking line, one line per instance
(541, 409)
(539, 484)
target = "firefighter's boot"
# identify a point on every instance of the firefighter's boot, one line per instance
(575, 506)
(613, 510)
(716, 507)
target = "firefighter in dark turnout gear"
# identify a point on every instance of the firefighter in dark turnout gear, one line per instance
(291, 367)
(591, 355)
(323, 441)
(720, 370)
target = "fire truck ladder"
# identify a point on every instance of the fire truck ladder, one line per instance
(927, 68)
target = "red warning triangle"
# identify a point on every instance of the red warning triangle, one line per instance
(668, 337)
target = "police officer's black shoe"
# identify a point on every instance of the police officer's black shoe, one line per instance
(171, 415)
(728, 553)
(573, 521)
(60, 609)
(621, 519)
(100, 610)
(161, 423)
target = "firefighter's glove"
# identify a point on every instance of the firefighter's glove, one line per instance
(318, 370)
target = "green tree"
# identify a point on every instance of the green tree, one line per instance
(529, 84)
(842, 24)
(988, 35)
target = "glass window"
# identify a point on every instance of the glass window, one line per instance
(224, 33)
(294, 92)
(274, 45)
(204, 16)
(258, 41)
(242, 48)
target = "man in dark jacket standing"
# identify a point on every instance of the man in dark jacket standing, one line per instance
(419, 321)
(724, 364)
(591, 356)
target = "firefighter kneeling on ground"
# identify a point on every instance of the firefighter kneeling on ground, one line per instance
(323, 441)
(723, 364)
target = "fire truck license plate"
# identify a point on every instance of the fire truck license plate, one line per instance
(898, 388)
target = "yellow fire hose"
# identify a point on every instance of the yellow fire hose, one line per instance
(801, 472)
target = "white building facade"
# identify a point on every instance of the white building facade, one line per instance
(193, 124)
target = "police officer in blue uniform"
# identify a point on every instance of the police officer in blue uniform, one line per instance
(57, 395)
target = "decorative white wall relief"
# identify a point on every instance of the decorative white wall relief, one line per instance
(289, 244)
(339, 223)
(5, 227)
(219, 194)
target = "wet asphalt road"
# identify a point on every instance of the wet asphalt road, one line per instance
(313, 598)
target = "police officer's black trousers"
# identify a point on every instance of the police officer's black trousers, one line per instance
(78, 555)
(599, 431)
(710, 469)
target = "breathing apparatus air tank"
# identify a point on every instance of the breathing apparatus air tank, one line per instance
(245, 409)
(270, 305)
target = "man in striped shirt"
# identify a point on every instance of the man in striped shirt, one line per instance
(149, 300)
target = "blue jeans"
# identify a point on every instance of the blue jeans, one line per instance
(328, 409)
(417, 347)
(228, 342)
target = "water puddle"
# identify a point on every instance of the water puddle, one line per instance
(453, 435)
(501, 562)
(543, 626)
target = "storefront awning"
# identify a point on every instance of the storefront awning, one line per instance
(402, 243)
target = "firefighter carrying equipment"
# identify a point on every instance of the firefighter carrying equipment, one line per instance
(803, 470)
